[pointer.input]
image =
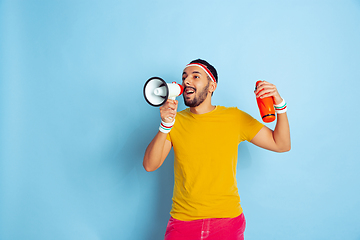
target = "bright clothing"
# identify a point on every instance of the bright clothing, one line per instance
(206, 154)
(209, 229)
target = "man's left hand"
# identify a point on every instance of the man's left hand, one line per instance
(266, 89)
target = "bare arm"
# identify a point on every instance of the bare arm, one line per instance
(156, 152)
(159, 147)
(279, 139)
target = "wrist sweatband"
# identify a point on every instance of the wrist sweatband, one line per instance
(281, 108)
(166, 127)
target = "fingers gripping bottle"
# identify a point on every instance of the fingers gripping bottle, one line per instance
(266, 107)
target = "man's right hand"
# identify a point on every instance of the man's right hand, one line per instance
(168, 111)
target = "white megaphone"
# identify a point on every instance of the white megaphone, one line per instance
(157, 91)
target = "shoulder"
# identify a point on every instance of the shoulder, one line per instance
(184, 114)
(236, 113)
(230, 110)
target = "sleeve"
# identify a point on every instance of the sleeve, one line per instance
(249, 126)
(168, 137)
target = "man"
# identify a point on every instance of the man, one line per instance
(205, 138)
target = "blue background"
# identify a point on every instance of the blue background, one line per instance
(74, 124)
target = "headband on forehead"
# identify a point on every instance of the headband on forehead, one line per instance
(203, 68)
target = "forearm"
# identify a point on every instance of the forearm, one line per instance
(159, 147)
(281, 133)
(153, 157)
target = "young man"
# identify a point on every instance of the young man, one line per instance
(205, 138)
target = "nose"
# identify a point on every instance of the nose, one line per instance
(186, 81)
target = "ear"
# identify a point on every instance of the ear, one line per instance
(212, 86)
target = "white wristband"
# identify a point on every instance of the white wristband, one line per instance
(166, 127)
(281, 108)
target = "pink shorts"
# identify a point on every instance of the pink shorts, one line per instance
(209, 229)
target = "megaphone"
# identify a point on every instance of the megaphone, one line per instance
(157, 91)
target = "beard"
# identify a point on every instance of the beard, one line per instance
(197, 99)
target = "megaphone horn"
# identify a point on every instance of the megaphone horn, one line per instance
(157, 91)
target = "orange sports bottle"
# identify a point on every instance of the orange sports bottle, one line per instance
(266, 107)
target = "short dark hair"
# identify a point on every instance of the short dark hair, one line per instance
(208, 66)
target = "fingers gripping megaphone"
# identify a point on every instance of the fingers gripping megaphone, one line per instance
(157, 91)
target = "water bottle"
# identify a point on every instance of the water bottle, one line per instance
(266, 107)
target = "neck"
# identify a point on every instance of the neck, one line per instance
(204, 107)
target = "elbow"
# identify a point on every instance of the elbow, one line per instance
(148, 170)
(284, 149)
(148, 167)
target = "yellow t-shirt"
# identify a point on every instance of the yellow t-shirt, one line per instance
(206, 153)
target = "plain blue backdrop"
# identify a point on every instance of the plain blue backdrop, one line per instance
(74, 124)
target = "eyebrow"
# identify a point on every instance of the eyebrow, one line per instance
(193, 72)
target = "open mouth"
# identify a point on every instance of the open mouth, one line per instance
(189, 91)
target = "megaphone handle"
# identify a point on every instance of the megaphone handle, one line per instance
(172, 98)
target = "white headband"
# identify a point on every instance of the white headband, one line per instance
(203, 68)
